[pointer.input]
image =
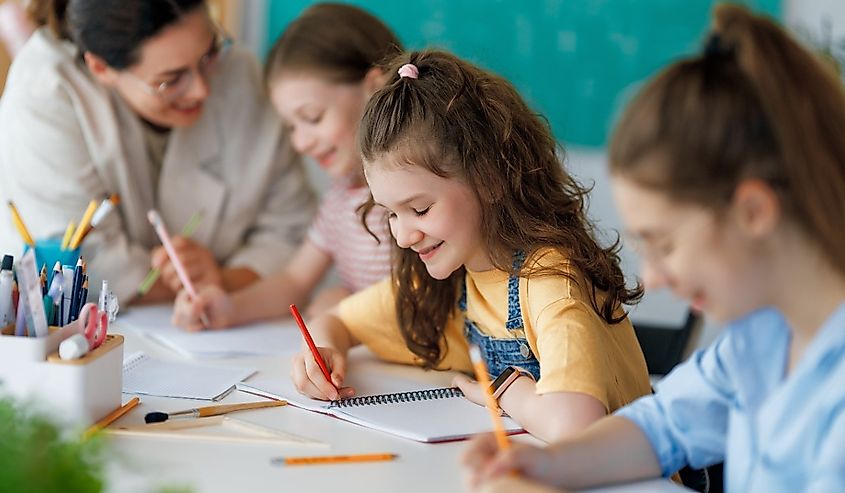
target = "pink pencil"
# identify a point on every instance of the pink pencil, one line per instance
(164, 236)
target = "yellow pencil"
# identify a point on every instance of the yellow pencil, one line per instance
(84, 224)
(16, 217)
(68, 233)
(111, 418)
(332, 459)
(484, 380)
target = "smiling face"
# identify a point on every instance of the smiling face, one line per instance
(180, 56)
(721, 265)
(323, 119)
(437, 217)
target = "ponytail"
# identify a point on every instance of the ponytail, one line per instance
(754, 105)
(805, 105)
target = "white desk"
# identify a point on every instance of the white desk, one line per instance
(142, 464)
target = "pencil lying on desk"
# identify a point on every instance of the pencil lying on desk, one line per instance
(201, 412)
(332, 459)
(111, 418)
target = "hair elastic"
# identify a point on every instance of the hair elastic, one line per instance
(716, 46)
(409, 70)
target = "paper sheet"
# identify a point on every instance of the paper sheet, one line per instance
(262, 339)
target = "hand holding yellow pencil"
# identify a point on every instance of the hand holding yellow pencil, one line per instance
(484, 380)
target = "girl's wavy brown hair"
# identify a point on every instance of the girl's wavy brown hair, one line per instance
(461, 122)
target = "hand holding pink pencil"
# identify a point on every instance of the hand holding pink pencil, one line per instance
(164, 236)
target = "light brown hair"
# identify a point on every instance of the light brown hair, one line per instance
(459, 121)
(338, 42)
(754, 105)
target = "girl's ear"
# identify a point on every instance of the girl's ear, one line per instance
(757, 207)
(374, 80)
(100, 69)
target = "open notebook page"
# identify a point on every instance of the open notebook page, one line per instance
(262, 339)
(143, 374)
(431, 420)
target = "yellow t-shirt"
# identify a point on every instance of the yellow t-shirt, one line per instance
(578, 351)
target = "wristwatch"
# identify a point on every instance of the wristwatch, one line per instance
(506, 378)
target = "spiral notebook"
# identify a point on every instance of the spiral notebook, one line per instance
(422, 414)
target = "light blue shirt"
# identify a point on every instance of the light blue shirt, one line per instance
(733, 402)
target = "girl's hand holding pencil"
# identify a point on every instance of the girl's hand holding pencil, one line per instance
(485, 460)
(211, 300)
(309, 379)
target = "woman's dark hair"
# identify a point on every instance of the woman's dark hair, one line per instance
(338, 42)
(755, 105)
(114, 30)
(461, 122)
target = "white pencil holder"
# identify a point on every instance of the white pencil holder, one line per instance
(75, 392)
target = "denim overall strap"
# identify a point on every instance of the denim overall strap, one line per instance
(501, 353)
(514, 311)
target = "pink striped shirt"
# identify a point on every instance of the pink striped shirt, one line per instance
(337, 231)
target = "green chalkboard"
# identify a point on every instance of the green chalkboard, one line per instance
(575, 61)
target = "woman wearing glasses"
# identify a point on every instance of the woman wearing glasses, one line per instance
(146, 99)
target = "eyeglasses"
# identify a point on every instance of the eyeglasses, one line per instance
(175, 88)
(656, 248)
(649, 249)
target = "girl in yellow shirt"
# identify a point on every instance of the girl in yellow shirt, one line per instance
(492, 248)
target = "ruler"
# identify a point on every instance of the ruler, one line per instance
(30, 285)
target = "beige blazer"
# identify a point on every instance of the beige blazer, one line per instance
(65, 140)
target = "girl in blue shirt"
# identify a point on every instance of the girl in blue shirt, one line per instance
(729, 172)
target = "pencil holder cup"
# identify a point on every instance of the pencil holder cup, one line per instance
(74, 392)
(49, 250)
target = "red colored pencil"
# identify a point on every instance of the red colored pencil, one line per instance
(313, 347)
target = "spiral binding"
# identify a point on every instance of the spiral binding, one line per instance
(398, 397)
(134, 361)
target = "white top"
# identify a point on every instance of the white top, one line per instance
(65, 140)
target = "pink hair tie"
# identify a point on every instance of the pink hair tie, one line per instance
(409, 70)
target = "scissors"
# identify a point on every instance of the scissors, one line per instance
(94, 323)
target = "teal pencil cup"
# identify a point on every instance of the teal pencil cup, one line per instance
(48, 251)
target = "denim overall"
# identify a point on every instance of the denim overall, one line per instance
(502, 353)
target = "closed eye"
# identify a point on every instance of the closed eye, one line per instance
(422, 212)
(173, 81)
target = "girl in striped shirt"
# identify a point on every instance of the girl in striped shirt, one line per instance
(320, 74)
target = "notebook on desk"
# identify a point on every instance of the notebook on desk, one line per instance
(145, 375)
(392, 404)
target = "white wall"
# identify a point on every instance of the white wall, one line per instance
(820, 24)
(812, 14)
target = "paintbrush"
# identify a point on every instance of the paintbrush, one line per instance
(201, 412)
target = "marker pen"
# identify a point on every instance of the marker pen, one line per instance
(7, 312)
